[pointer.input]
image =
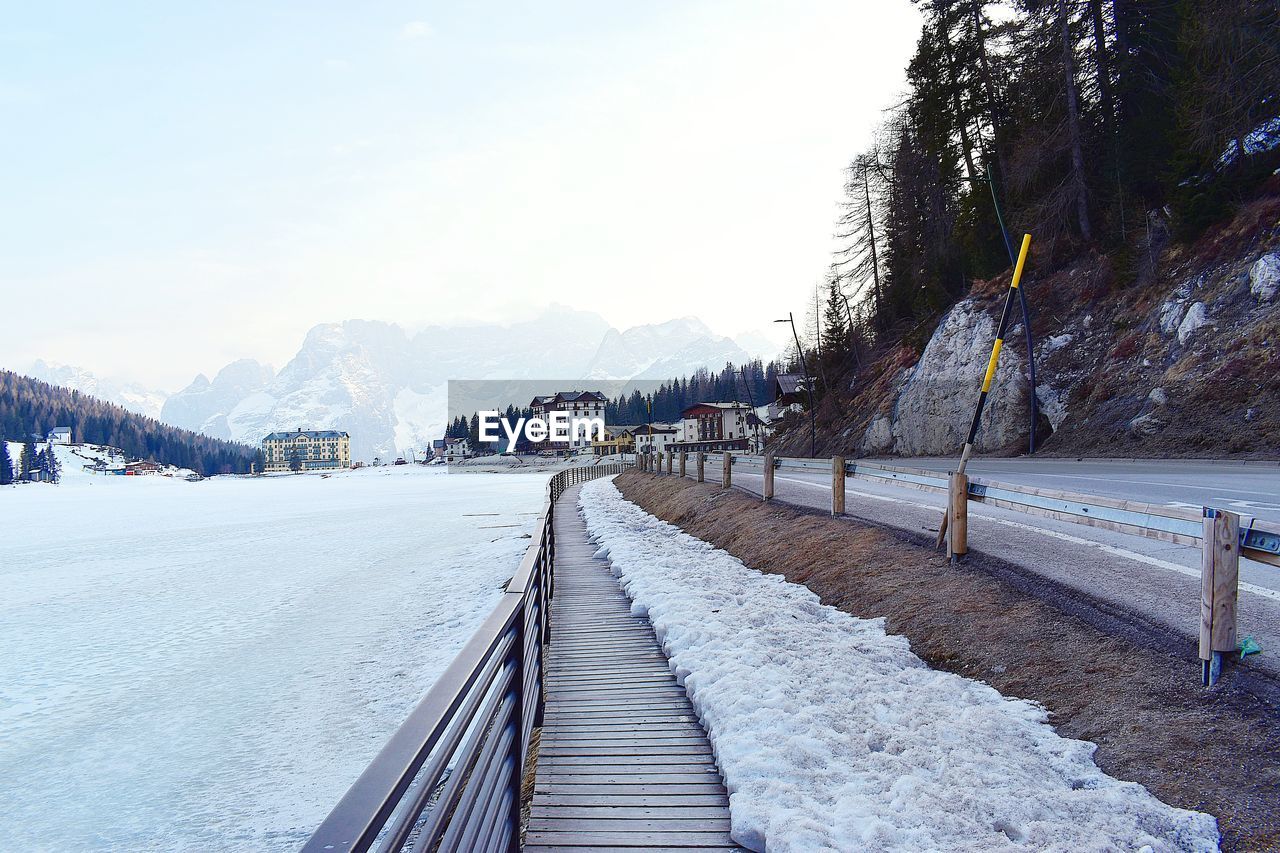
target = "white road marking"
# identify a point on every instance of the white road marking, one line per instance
(1122, 479)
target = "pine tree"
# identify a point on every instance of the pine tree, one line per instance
(27, 462)
(835, 327)
(6, 464)
(295, 460)
(52, 470)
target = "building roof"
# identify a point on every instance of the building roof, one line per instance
(730, 406)
(309, 433)
(60, 431)
(648, 429)
(570, 397)
(619, 430)
(789, 383)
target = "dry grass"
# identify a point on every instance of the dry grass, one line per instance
(1210, 751)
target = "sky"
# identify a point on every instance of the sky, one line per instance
(187, 184)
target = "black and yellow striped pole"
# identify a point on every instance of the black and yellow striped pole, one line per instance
(991, 369)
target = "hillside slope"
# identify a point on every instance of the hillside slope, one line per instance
(29, 406)
(1179, 359)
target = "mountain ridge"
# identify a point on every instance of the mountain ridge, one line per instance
(387, 386)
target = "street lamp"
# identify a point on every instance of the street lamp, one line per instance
(808, 386)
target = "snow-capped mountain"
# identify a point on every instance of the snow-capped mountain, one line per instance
(662, 350)
(128, 395)
(388, 388)
(203, 406)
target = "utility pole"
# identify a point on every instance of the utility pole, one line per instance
(751, 399)
(808, 386)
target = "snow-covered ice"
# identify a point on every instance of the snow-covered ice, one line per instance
(832, 735)
(208, 666)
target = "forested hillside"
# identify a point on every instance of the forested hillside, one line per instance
(1096, 124)
(30, 406)
(1138, 142)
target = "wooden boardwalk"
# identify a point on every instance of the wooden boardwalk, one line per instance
(624, 762)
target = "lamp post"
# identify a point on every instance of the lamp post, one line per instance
(808, 386)
(648, 403)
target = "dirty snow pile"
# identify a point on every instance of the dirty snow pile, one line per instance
(832, 735)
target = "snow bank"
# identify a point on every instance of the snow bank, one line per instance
(832, 735)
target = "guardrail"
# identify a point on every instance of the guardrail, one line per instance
(1219, 534)
(449, 778)
(1259, 541)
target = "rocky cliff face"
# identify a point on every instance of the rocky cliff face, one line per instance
(1177, 360)
(935, 397)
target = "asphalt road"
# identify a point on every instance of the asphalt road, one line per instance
(1248, 488)
(1159, 581)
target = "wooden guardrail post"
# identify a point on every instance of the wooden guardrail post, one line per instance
(684, 455)
(766, 490)
(726, 478)
(957, 516)
(659, 460)
(837, 485)
(669, 455)
(1219, 579)
(702, 464)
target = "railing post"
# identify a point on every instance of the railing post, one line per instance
(702, 465)
(1219, 578)
(726, 478)
(766, 488)
(517, 719)
(669, 455)
(684, 456)
(957, 516)
(837, 485)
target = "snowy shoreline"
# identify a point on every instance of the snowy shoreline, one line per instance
(832, 735)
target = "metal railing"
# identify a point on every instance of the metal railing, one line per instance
(1259, 541)
(449, 778)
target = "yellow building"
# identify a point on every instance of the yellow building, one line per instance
(312, 449)
(617, 439)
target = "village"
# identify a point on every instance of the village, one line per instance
(709, 426)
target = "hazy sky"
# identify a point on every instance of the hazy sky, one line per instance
(185, 184)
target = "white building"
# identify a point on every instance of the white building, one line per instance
(59, 435)
(457, 448)
(578, 406)
(655, 438)
(717, 426)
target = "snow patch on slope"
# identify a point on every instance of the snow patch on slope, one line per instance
(420, 418)
(832, 735)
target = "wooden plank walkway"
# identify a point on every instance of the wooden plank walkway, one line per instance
(624, 762)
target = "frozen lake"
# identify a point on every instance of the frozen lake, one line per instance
(208, 666)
